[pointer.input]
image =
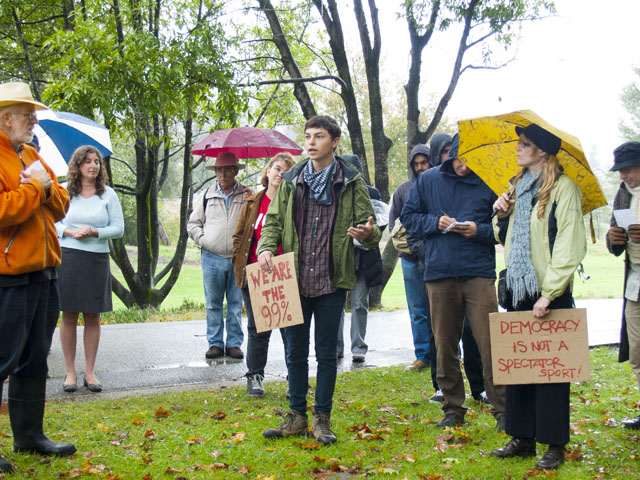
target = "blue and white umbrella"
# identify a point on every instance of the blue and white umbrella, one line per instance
(60, 133)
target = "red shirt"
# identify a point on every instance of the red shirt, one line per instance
(257, 229)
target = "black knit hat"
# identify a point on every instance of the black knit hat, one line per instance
(626, 155)
(544, 140)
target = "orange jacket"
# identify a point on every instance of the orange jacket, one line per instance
(28, 237)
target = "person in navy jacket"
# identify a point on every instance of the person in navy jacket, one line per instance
(450, 207)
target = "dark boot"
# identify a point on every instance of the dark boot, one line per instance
(296, 423)
(5, 467)
(517, 447)
(552, 459)
(321, 428)
(26, 412)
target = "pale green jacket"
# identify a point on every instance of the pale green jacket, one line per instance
(353, 208)
(554, 272)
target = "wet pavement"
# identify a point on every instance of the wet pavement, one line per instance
(136, 359)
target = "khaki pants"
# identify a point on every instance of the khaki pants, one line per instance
(450, 298)
(632, 317)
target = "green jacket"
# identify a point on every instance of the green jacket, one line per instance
(285, 216)
(554, 272)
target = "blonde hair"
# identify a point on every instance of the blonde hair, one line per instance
(549, 174)
(285, 157)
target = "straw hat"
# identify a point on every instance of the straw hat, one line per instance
(226, 159)
(12, 93)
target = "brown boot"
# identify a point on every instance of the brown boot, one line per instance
(321, 428)
(295, 424)
(517, 447)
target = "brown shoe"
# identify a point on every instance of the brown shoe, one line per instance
(295, 424)
(321, 428)
(417, 365)
(214, 352)
(517, 447)
(235, 352)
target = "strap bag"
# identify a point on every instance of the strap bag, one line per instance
(399, 238)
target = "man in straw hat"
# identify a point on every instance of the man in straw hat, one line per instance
(31, 202)
(211, 227)
(626, 238)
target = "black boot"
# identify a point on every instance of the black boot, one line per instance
(552, 459)
(26, 412)
(5, 467)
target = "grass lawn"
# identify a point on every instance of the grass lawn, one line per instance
(382, 418)
(186, 299)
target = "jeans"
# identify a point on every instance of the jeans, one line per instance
(218, 278)
(326, 310)
(359, 312)
(28, 316)
(418, 303)
(257, 343)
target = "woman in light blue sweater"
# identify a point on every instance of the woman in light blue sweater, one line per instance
(93, 218)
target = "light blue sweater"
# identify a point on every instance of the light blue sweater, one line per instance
(102, 213)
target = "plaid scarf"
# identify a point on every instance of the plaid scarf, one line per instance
(320, 182)
(521, 276)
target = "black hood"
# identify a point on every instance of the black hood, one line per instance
(438, 143)
(419, 149)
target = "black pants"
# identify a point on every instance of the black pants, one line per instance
(257, 343)
(539, 411)
(28, 316)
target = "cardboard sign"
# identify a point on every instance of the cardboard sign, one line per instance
(275, 299)
(553, 349)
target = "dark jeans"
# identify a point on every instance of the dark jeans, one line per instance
(539, 410)
(326, 311)
(257, 343)
(28, 316)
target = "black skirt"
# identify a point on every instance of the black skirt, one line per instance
(84, 279)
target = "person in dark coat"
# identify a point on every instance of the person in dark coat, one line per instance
(459, 272)
(627, 240)
(417, 299)
(368, 263)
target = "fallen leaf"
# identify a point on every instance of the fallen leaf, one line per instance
(150, 434)
(161, 412)
(219, 415)
(215, 454)
(238, 437)
(137, 421)
(245, 469)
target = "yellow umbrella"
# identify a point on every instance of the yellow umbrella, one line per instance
(488, 147)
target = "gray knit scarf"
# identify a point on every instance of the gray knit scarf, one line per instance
(521, 276)
(320, 182)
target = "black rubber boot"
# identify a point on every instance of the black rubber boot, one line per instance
(26, 412)
(5, 467)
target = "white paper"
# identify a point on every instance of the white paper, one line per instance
(34, 166)
(625, 217)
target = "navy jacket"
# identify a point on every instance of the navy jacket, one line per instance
(440, 190)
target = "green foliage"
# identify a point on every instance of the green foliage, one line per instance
(630, 97)
(382, 417)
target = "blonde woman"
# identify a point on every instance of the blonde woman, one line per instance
(93, 218)
(544, 238)
(245, 241)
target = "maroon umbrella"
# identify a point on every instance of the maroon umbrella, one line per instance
(246, 142)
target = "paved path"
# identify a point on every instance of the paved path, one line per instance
(154, 357)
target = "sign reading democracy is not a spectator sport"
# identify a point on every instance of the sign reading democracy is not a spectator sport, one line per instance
(552, 349)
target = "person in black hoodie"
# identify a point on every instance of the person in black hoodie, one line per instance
(417, 299)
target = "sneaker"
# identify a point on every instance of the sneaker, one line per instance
(357, 358)
(254, 386)
(552, 459)
(295, 424)
(481, 397)
(437, 397)
(416, 366)
(321, 428)
(451, 420)
(214, 352)
(517, 447)
(501, 420)
(235, 352)
(634, 423)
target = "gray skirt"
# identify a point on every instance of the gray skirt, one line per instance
(84, 279)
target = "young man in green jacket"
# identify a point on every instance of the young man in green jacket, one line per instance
(321, 205)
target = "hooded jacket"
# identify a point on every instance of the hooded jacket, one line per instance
(438, 143)
(28, 237)
(468, 198)
(402, 193)
(284, 220)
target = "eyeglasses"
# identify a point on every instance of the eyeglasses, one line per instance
(30, 115)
